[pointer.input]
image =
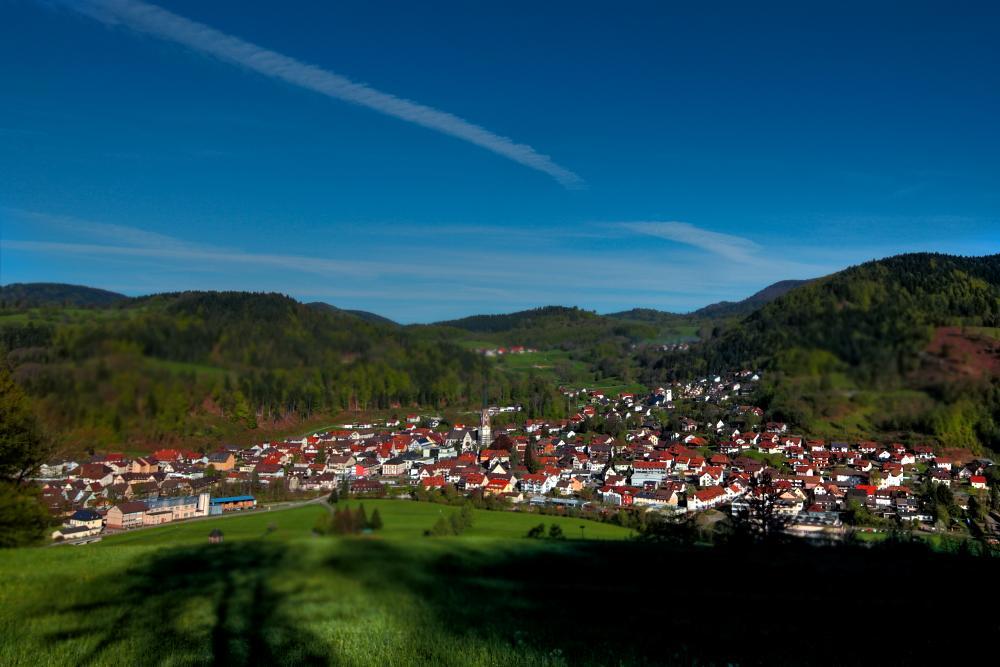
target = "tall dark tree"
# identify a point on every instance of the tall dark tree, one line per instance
(760, 516)
(23, 520)
(22, 448)
(530, 460)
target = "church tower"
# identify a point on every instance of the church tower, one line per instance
(485, 433)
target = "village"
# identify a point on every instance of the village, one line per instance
(619, 453)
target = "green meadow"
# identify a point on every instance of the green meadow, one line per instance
(404, 520)
(274, 594)
(271, 593)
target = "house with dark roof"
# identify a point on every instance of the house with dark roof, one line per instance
(223, 461)
(87, 518)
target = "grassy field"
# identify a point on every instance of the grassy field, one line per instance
(408, 520)
(557, 366)
(278, 525)
(282, 596)
(678, 333)
(98, 603)
(404, 520)
(553, 364)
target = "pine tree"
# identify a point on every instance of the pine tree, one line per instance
(376, 520)
(455, 521)
(360, 519)
(513, 458)
(22, 449)
(530, 462)
(466, 516)
(343, 521)
(441, 528)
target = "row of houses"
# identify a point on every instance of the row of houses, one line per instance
(88, 522)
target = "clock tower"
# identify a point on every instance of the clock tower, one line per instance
(485, 433)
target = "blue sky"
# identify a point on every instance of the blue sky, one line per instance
(431, 160)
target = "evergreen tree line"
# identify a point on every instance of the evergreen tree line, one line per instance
(347, 521)
(455, 524)
(538, 532)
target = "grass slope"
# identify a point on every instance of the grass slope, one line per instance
(404, 520)
(407, 520)
(271, 594)
(281, 525)
(280, 598)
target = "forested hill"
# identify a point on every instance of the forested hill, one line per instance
(26, 295)
(875, 318)
(924, 323)
(206, 365)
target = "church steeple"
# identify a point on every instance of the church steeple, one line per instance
(485, 433)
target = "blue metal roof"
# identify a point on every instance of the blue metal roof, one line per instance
(231, 499)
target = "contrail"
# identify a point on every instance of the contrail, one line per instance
(153, 20)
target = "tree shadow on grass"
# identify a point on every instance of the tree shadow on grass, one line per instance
(207, 604)
(643, 603)
(457, 601)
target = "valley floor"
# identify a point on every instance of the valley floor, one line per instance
(272, 593)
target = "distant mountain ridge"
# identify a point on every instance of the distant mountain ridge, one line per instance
(501, 322)
(30, 295)
(722, 309)
(751, 303)
(363, 314)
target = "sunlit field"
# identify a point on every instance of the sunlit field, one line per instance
(313, 598)
(274, 593)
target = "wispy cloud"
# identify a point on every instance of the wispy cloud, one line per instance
(124, 241)
(124, 234)
(735, 248)
(289, 262)
(153, 20)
